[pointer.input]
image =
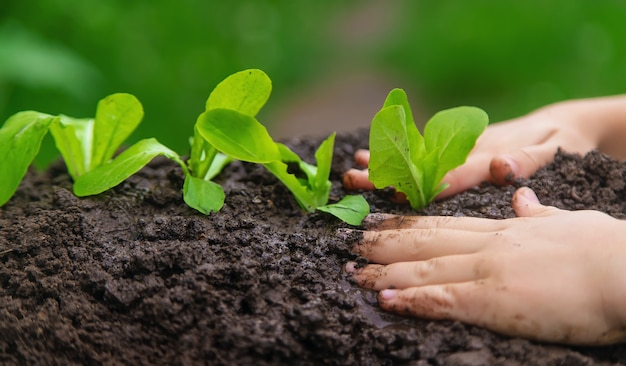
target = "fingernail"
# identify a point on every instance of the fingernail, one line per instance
(512, 169)
(347, 180)
(388, 294)
(349, 235)
(350, 267)
(529, 194)
(373, 220)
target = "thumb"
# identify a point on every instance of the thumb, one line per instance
(505, 169)
(526, 204)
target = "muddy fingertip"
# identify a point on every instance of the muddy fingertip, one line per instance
(350, 267)
(349, 235)
(503, 170)
(373, 220)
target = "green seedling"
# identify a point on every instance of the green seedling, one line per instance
(87, 145)
(231, 128)
(227, 130)
(414, 164)
(245, 92)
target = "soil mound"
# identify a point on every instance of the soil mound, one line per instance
(134, 276)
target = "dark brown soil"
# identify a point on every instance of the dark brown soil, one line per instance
(135, 277)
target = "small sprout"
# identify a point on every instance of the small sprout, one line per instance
(239, 135)
(414, 164)
(88, 145)
(227, 130)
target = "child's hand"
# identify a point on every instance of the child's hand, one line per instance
(549, 274)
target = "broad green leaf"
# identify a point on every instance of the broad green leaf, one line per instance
(127, 163)
(237, 135)
(324, 160)
(203, 195)
(117, 117)
(416, 141)
(390, 154)
(428, 165)
(350, 209)
(414, 164)
(20, 140)
(245, 92)
(73, 138)
(452, 133)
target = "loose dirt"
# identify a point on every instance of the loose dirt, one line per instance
(133, 276)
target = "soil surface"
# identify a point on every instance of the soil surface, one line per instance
(133, 276)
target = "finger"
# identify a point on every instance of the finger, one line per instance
(401, 245)
(494, 307)
(435, 271)
(526, 204)
(446, 301)
(474, 302)
(522, 163)
(362, 157)
(355, 180)
(472, 173)
(399, 197)
(358, 180)
(380, 222)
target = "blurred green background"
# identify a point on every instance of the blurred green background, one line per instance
(331, 62)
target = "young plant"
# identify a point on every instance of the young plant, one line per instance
(245, 92)
(231, 128)
(414, 164)
(228, 125)
(88, 145)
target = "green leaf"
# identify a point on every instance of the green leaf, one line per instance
(288, 156)
(351, 209)
(414, 164)
(237, 135)
(324, 160)
(452, 133)
(245, 92)
(117, 117)
(390, 155)
(416, 141)
(202, 155)
(20, 140)
(203, 195)
(219, 162)
(73, 138)
(127, 163)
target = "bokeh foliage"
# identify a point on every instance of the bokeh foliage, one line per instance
(507, 57)
(510, 57)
